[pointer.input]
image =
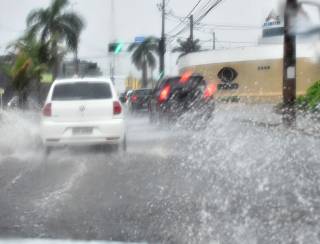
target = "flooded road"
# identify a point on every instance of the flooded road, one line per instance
(242, 179)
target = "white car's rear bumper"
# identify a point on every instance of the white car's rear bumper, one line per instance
(103, 132)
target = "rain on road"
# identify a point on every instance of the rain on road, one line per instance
(242, 179)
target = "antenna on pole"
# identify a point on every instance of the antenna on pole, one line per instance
(111, 39)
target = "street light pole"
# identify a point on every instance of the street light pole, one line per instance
(162, 44)
(289, 64)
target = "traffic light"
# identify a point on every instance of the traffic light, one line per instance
(115, 47)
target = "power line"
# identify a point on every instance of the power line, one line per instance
(227, 41)
(176, 18)
(187, 16)
(209, 10)
(201, 16)
(232, 26)
(204, 7)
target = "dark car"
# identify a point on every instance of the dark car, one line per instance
(174, 96)
(122, 97)
(139, 99)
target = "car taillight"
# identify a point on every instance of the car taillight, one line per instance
(116, 108)
(164, 94)
(47, 110)
(185, 77)
(210, 90)
(134, 98)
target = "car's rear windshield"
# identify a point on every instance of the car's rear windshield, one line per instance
(176, 83)
(81, 91)
(142, 92)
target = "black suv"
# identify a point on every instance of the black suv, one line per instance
(174, 96)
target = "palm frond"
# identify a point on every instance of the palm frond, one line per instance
(57, 7)
(133, 46)
(72, 20)
(36, 16)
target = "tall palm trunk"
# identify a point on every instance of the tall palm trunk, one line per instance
(56, 61)
(38, 84)
(76, 62)
(144, 74)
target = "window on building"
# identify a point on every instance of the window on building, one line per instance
(267, 67)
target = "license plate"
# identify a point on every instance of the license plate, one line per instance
(82, 131)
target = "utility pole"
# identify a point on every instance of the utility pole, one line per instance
(289, 64)
(213, 41)
(162, 44)
(191, 27)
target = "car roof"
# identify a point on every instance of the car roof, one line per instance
(82, 79)
(179, 77)
(143, 89)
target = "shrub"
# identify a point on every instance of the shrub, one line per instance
(312, 97)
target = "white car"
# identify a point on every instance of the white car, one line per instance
(82, 111)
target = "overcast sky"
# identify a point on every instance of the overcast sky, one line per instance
(142, 18)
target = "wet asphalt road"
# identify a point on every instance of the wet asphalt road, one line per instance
(243, 179)
(90, 194)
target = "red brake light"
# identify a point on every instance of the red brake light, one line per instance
(210, 90)
(116, 108)
(134, 98)
(47, 110)
(164, 94)
(185, 77)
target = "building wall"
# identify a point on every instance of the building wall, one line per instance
(260, 79)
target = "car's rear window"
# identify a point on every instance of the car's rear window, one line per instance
(142, 92)
(81, 91)
(175, 82)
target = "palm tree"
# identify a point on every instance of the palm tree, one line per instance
(187, 46)
(143, 56)
(55, 26)
(26, 67)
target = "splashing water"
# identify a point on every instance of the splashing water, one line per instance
(242, 178)
(256, 181)
(19, 134)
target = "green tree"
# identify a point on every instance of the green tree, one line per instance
(143, 56)
(55, 26)
(187, 46)
(26, 67)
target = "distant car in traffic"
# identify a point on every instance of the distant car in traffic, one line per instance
(174, 96)
(139, 99)
(82, 112)
(122, 97)
(128, 94)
